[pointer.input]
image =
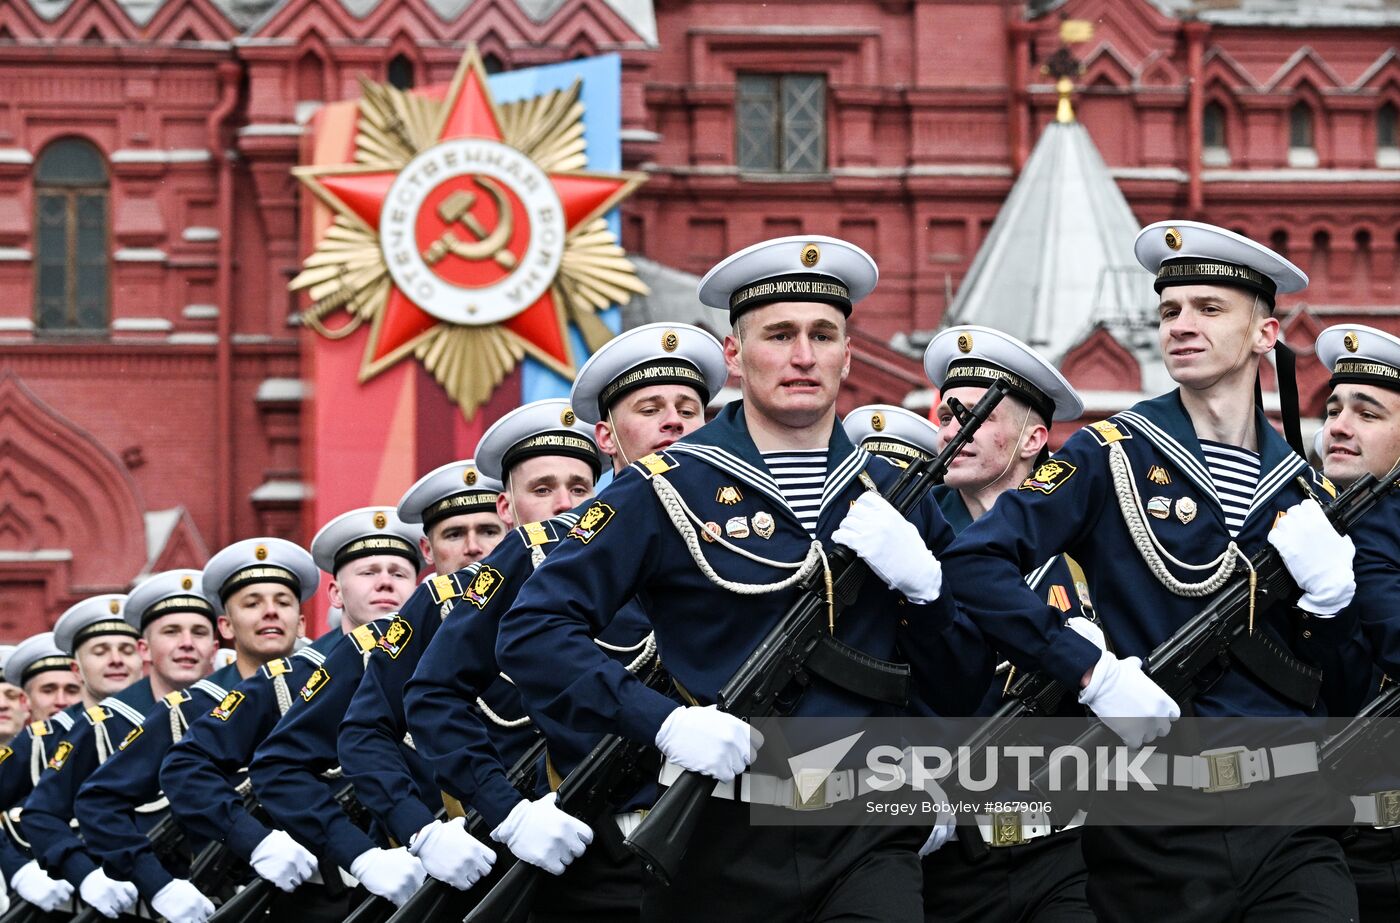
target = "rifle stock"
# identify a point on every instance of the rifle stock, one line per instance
(777, 663)
(21, 911)
(246, 904)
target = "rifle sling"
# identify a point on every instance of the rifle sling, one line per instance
(1279, 671)
(856, 671)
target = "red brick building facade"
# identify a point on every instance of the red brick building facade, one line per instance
(150, 359)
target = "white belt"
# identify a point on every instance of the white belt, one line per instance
(760, 788)
(1012, 828)
(1226, 769)
(628, 821)
(1380, 810)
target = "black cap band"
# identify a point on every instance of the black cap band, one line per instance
(979, 373)
(171, 605)
(1365, 372)
(371, 545)
(556, 442)
(259, 573)
(1214, 272)
(896, 449)
(104, 627)
(468, 501)
(45, 664)
(660, 372)
(797, 286)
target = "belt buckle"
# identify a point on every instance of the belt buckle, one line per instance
(817, 800)
(1387, 809)
(1226, 770)
(1007, 829)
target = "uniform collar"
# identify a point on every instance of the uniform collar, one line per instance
(725, 444)
(1165, 422)
(954, 510)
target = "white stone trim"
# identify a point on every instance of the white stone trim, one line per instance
(280, 491)
(168, 155)
(15, 255)
(15, 155)
(16, 324)
(271, 129)
(139, 255)
(141, 325)
(281, 389)
(199, 311)
(192, 339)
(200, 234)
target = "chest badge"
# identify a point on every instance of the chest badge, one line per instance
(1159, 507)
(763, 524)
(710, 532)
(1185, 510)
(728, 495)
(1158, 475)
(737, 527)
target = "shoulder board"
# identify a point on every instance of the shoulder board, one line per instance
(6, 753)
(1325, 484)
(98, 713)
(177, 698)
(62, 719)
(213, 690)
(367, 636)
(279, 667)
(130, 738)
(118, 707)
(1109, 431)
(656, 463)
(537, 533)
(41, 728)
(309, 654)
(445, 587)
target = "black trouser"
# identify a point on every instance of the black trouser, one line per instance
(1041, 881)
(601, 886)
(736, 872)
(313, 903)
(1374, 859)
(1226, 874)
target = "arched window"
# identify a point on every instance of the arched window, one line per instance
(1388, 136)
(400, 72)
(1216, 146)
(492, 64)
(70, 236)
(1302, 150)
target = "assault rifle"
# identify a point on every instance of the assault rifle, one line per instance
(1364, 735)
(1194, 658)
(607, 776)
(791, 653)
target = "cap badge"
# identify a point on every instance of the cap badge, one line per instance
(728, 495)
(1185, 510)
(1352, 342)
(763, 524)
(670, 340)
(810, 255)
(113, 606)
(380, 520)
(186, 583)
(260, 552)
(1173, 238)
(877, 422)
(567, 417)
(469, 477)
(964, 342)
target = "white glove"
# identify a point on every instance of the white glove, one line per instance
(943, 826)
(1318, 559)
(35, 886)
(541, 834)
(282, 860)
(390, 873)
(892, 547)
(181, 902)
(1090, 631)
(107, 896)
(449, 853)
(707, 740)
(1128, 701)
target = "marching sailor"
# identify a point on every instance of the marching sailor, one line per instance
(754, 500)
(1161, 504)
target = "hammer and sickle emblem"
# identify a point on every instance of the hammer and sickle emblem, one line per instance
(456, 209)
